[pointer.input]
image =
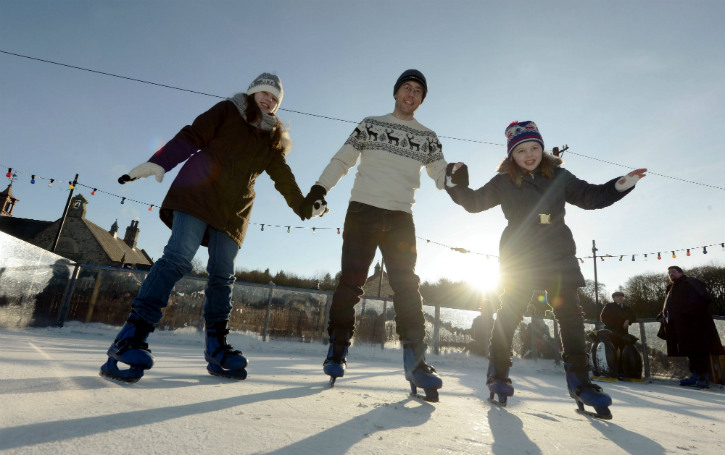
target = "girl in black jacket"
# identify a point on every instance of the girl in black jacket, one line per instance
(537, 251)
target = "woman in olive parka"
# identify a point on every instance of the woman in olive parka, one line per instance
(537, 251)
(209, 203)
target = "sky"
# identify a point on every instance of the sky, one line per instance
(623, 84)
(55, 402)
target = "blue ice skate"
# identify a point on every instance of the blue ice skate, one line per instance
(223, 359)
(336, 360)
(498, 382)
(418, 372)
(585, 393)
(129, 347)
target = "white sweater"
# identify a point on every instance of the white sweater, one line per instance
(392, 153)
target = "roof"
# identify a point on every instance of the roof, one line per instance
(116, 249)
(22, 228)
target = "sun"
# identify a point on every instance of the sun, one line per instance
(480, 273)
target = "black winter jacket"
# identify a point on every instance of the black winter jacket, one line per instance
(533, 252)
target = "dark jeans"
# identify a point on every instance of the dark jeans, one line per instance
(565, 303)
(368, 228)
(699, 363)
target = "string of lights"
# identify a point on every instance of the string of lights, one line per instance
(133, 79)
(12, 174)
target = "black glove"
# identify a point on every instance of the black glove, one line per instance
(313, 202)
(459, 177)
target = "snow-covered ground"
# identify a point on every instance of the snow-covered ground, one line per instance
(53, 401)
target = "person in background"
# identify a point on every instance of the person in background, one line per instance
(617, 317)
(689, 329)
(537, 252)
(392, 149)
(209, 203)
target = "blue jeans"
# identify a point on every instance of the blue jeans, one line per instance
(187, 233)
(366, 229)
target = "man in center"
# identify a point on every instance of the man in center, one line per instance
(392, 149)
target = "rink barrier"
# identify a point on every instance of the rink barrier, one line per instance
(41, 289)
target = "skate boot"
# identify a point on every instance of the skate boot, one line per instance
(498, 382)
(129, 347)
(583, 391)
(703, 382)
(223, 360)
(335, 363)
(691, 381)
(418, 372)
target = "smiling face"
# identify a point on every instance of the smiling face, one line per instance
(528, 155)
(266, 102)
(408, 98)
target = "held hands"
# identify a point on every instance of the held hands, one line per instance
(629, 180)
(314, 204)
(456, 174)
(142, 171)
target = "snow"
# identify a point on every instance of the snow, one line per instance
(54, 401)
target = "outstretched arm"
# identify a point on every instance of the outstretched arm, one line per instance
(629, 180)
(473, 201)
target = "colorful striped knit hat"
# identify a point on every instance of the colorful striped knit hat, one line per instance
(520, 132)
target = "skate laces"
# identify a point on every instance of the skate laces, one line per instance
(224, 347)
(131, 343)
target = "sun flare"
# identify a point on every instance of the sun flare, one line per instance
(479, 272)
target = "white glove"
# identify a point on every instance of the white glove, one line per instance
(629, 180)
(142, 171)
(319, 208)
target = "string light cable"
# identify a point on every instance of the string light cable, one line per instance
(133, 79)
(314, 229)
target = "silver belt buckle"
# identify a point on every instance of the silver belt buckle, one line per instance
(544, 218)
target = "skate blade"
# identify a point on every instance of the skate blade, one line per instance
(110, 370)
(502, 400)
(432, 398)
(594, 414)
(431, 395)
(238, 375)
(118, 379)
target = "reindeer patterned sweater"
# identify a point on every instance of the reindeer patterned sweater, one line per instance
(392, 154)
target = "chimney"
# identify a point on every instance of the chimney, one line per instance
(114, 229)
(131, 234)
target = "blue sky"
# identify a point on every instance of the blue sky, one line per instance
(623, 84)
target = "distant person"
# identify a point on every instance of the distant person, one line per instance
(617, 317)
(480, 334)
(537, 251)
(392, 150)
(209, 203)
(688, 326)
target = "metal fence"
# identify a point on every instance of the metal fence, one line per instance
(39, 288)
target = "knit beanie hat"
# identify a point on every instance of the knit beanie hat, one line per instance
(267, 82)
(411, 75)
(520, 132)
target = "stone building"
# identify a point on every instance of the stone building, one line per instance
(373, 284)
(81, 240)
